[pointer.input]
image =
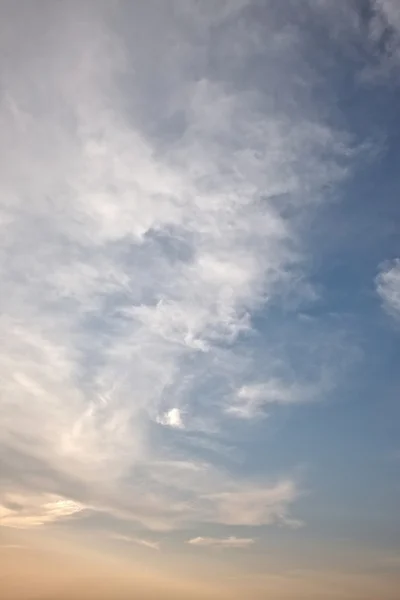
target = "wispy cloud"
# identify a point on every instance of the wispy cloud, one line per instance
(229, 542)
(253, 506)
(250, 400)
(388, 286)
(136, 247)
(154, 545)
(22, 511)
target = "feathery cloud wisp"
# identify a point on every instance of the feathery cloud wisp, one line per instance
(154, 545)
(21, 511)
(230, 542)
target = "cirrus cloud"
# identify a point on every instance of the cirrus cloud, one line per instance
(136, 248)
(229, 542)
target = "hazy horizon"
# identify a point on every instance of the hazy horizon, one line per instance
(200, 299)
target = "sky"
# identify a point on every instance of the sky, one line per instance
(200, 299)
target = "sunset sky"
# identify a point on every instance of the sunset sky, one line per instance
(200, 299)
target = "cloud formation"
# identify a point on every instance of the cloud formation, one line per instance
(21, 511)
(137, 247)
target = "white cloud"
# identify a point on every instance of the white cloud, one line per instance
(251, 399)
(388, 286)
(132, 262)
(172, 418)
(21, 511)
(153, 545)
(229, 542)
(253, 506)
(168, 495)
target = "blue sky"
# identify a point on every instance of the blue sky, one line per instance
(200, 306)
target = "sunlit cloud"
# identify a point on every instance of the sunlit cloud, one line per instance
(167, 170)
(21, 511)
(230, 542)
(132, 271)
(253, 506)
(172, 418)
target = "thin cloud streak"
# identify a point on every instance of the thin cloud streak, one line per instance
(230, 542)
(139, 541)
(251, 400)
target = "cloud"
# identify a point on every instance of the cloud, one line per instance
(172, 418)
(250, 400)
(390, 10)
(388, 286)
(21, 511)
(383, 27)
(253, 506)
(229, 542)
(166, 495)
(154, 545)
(142, 229)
